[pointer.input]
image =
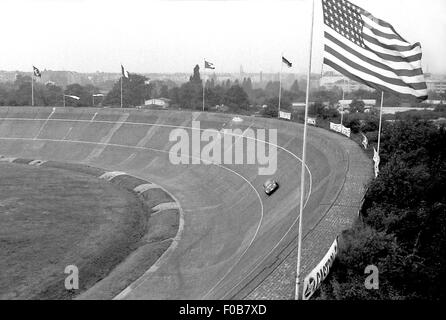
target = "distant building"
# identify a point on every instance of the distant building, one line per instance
(331, 80)
(299, 106)
(436, 85)
(368, 103)
(221, 108)
(161, 103)
(434, 102)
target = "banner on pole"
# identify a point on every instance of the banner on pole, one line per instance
(341, 129)
(376, 159)
(311, 121)
(345, 131)
(285, 115)
(365, 141)
(314, 279)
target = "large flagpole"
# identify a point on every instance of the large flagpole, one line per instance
(380, 120)
(302, 172)
(280, 84)
(121, 90)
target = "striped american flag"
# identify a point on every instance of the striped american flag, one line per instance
(370, 51)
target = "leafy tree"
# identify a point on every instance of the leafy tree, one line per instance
(134, 92)
(285, 101)
(357, 106)
(195, 78)
(370, 124)
(319, 110)
(270, 111)
(236, 98)
(53, 95)
(295, 87)
(353, 123)
(272, 89)
(164, 91)
(247, 85)
(84, 93)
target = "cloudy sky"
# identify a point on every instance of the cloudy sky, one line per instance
(173, 36)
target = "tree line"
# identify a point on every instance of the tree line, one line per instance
(402, 230)
(237, 96)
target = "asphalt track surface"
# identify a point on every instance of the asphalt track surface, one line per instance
(231, 228)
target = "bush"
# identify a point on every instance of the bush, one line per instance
(352, 123)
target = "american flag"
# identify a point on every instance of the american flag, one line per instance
(370, 51)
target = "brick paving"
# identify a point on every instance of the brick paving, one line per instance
(280, 283)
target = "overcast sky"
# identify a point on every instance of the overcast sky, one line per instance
(173, 36)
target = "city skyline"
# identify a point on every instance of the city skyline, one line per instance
(173, 36)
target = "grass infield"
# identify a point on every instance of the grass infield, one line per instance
(55, 217)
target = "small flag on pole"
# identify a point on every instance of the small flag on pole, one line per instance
(365, 141)
(288, 63)
(124, 72)
(370, 51)
(37, 72)
(208, 65)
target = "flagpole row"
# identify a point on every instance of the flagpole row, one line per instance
(304, 153)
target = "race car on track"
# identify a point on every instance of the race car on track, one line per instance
(270, 186)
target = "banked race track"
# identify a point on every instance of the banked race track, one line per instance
(229, 229)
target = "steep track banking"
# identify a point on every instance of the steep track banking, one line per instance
(231, 228)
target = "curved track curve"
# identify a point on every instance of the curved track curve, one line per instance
(231, 228)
